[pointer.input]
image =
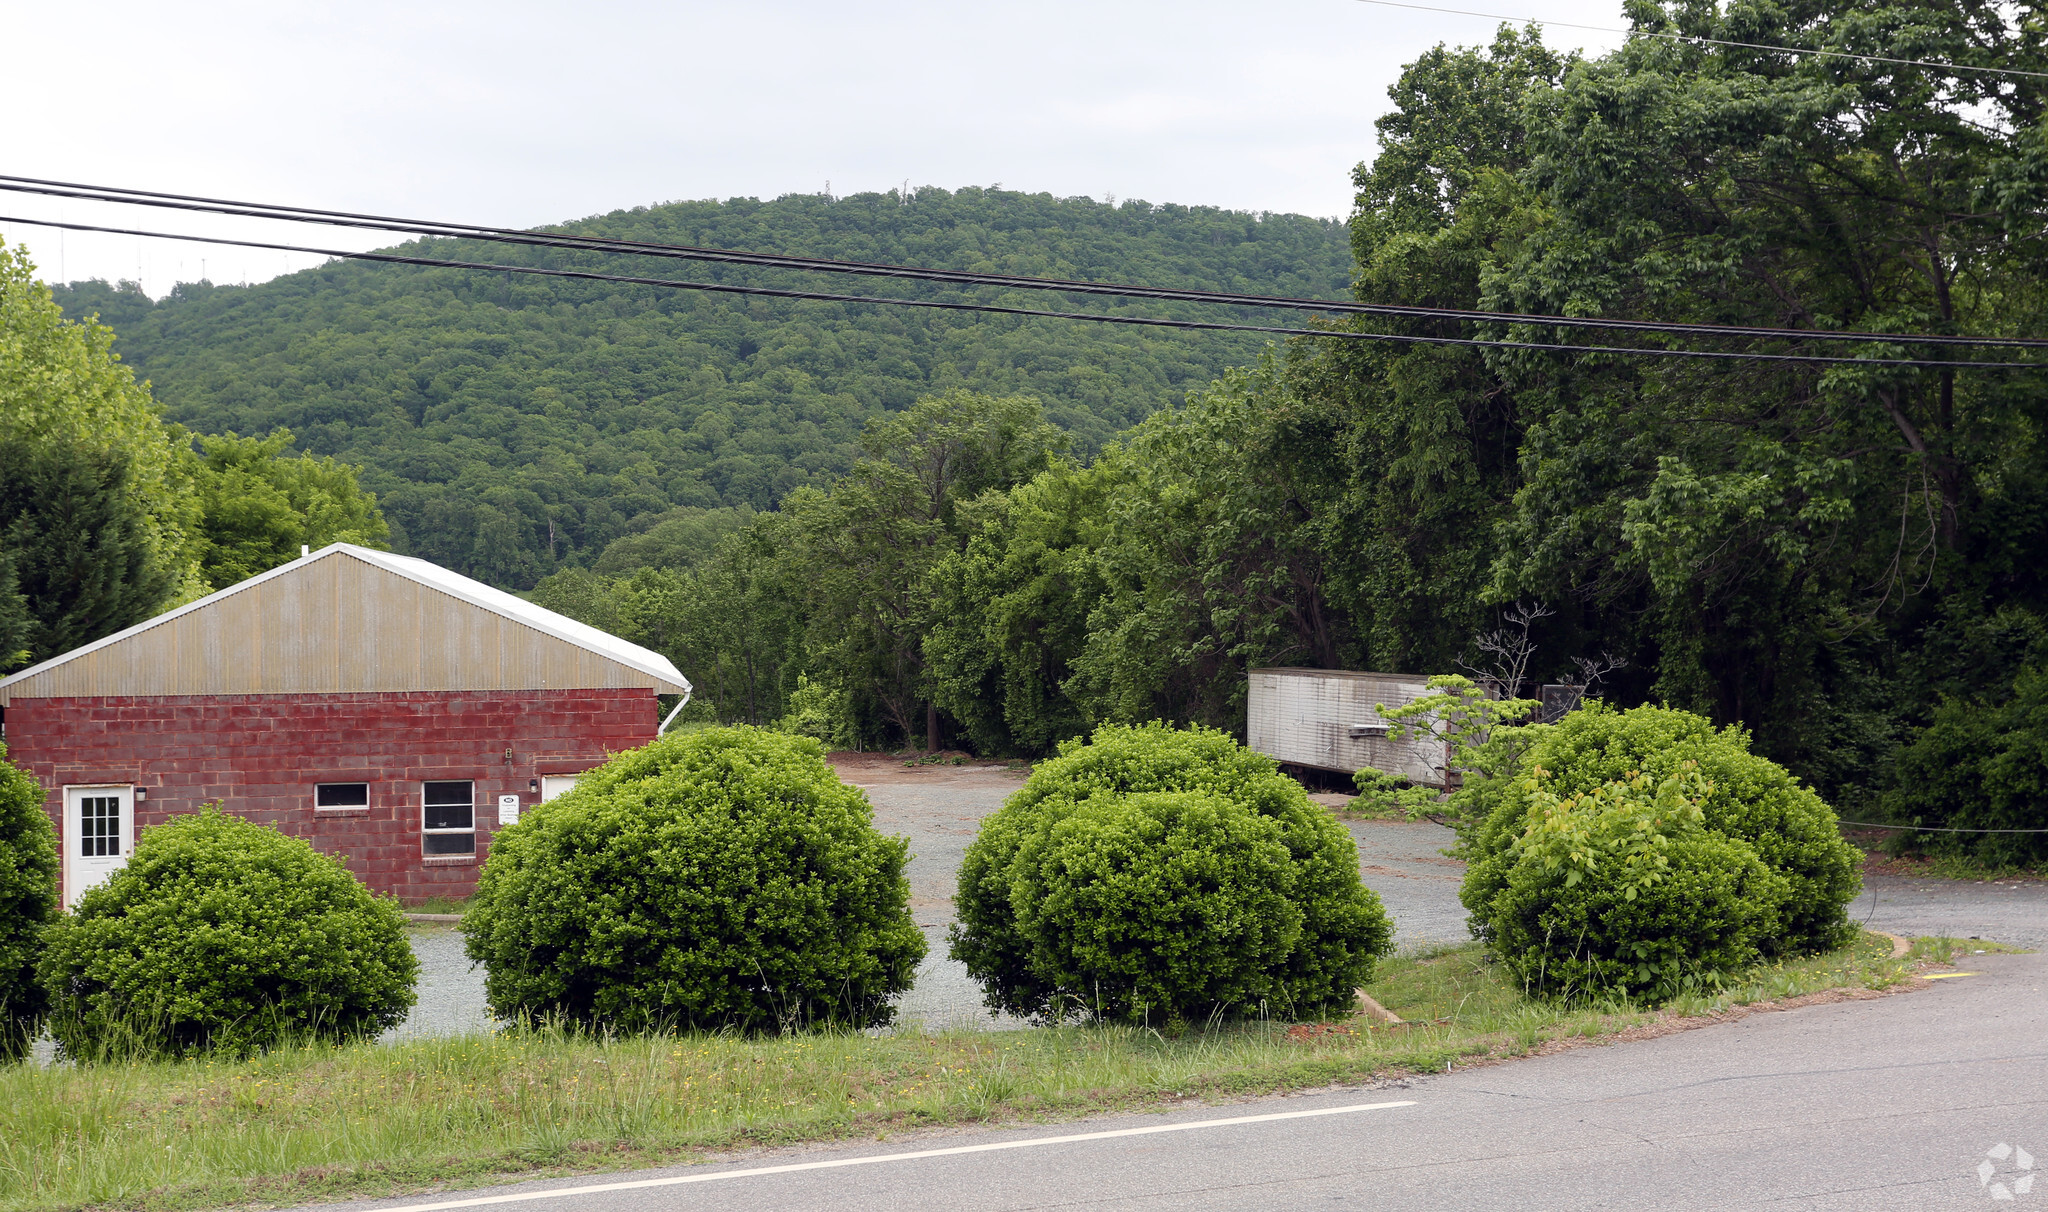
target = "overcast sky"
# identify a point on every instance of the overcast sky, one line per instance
(519, 114)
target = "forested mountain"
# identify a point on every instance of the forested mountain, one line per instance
(512, 426)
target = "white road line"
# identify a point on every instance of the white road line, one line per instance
(875, 1159)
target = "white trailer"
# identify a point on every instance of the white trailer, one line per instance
(1327, 719)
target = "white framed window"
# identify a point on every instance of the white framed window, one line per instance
(341, 795)
(448, 817)
(552, 785)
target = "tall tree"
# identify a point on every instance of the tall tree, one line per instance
(79, 544)
(257, 506)
(95, 508)
(1780, 520)
(870, 543)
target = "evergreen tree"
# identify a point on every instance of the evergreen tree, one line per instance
(79, 544)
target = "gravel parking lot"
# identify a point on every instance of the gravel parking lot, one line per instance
(940, 809)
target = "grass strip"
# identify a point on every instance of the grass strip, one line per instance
(317, 1123)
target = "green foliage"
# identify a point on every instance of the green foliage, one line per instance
(28, 902)
(1010, 609)
(1201, 544)
(1979, 765)
(1475, 728)
(1190, 814)
(719, 878)
(257, 507)
(682, 538)
(514, 427)
(80, 546)
(867, 547)
(1622, 891)
(1217, 556)
(1692, 925)
(107, 515)
(1749, 799)
(224, 936)
(16, 623)
(1164, 905)
(95, 517)
(820, 712)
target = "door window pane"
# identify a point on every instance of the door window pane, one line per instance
(99, 826)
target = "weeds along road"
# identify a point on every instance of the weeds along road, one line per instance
(1888, 1103)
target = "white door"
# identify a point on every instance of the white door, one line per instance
(552, 785)
(99, 835)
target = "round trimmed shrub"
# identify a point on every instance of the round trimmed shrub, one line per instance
(1622, 891)
(1160, 875)
(1697, 927)
(221, 935)
(720, 878)
(28, 902)
(1752, 800)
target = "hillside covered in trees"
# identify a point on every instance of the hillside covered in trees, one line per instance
(513, 426)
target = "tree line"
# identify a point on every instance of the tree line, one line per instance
(1825, 554)
(1846, 559)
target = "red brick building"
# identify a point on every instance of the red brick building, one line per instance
(385, 709)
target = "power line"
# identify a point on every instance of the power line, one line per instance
(1700, 38)
(465, 231)
(1935, 829)
(998, 309)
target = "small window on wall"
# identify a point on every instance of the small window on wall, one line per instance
(448, 823)
(552, 785)
(341, 795)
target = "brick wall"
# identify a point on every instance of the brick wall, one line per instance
(261, 755)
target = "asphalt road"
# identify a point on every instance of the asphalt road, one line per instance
(1888, 1103)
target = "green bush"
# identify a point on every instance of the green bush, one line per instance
(1978, 766)
(1623, 891)
(1168, 876)
(1753, 800)
(222, 935)
(28, 901)
(721, 878)
(820, 712)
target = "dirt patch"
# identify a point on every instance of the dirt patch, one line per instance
(937, 770)
(1921, 868)
(1308, 1033)
(1397, 873)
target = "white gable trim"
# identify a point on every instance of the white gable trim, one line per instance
(434, 577)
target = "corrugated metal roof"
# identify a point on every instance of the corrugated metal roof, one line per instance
(412, 645)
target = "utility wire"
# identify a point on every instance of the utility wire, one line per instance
(1934, 829)
(997, 309)
(464, 231)
(1700, 38)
